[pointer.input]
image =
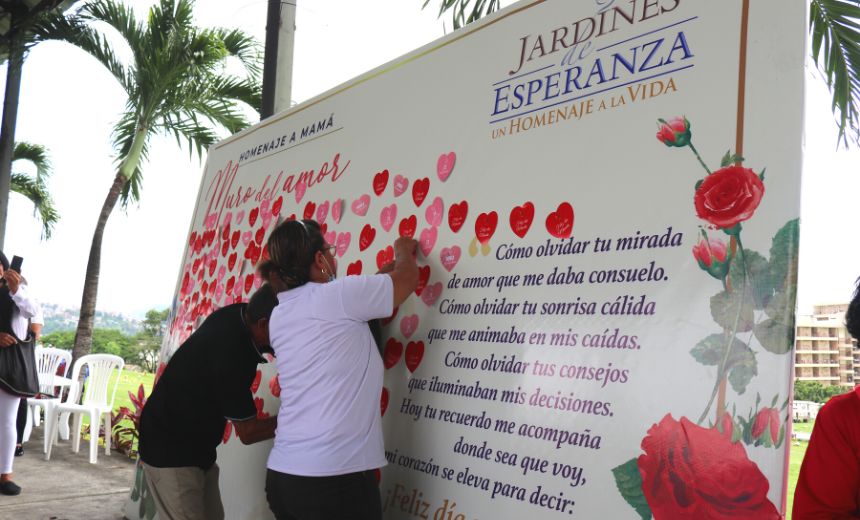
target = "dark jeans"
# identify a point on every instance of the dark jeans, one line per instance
(354, 496)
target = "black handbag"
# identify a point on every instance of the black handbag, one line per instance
(18, 374)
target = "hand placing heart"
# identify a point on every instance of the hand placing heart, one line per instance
(445, 165)
(560, 222)
(485, 226)
(408, 325)
(391, 354)
(414, 355)
(521, 219)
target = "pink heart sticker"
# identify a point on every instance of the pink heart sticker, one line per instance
(445, 165)
(401, 184)
(219, 292)
(222, 271)
(434, 212)
(449, 257)
(431, 293)
(342, 244)
(266, 219)
(240, 217)
(211, 220)
(301, 188)
(337, 210)
(361, 205)
(387, 217)
(408, 325)
(322, 212)
(330, 237)
(246, 238)
(228, 217)
(427, 239)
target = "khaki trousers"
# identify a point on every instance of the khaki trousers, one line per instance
(187, 493)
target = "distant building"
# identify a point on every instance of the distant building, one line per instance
(803, 411)
(824, 351)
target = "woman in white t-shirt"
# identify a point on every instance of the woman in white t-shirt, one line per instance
(329, 436)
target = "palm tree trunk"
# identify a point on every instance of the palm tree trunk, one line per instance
(84, 333)
(7, 126)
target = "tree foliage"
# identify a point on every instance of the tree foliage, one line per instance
(816, 392)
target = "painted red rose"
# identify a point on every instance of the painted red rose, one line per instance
(766, 426)
(728, 196)
(694, 473)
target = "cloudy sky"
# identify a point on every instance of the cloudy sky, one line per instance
(69, 103)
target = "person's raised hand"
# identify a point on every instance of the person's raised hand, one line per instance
(13, 280)
(405, 247)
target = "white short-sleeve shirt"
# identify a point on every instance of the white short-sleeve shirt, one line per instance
(330, 374)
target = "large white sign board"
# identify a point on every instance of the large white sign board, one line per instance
(605, 316)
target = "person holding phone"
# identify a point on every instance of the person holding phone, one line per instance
(329, 437)
(17, 307)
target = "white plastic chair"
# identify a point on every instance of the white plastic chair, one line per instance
(98, 398)
(48, 361)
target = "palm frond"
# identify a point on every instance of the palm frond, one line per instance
(121, 18)
(459, 8)
(835, 28)
(244, 47)
(37, 193)
(35, 154)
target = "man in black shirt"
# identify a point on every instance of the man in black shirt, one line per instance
(206, 383)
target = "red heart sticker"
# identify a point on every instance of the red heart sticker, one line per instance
(276, 206)
(234, 240)
(380, 181)
(249, 282)
(407, 226)
(485, 226)
(228, 429)
(224, 248)
(255, 384)
(225, 232)
(392, 353)
(423, 278)
(231, 262)
(521, 219)
(354, 268)
(414, 355)
(310, 208)
(384, 257)
(192, 239)
(560, 222)
(368, 233)
(260, 235)
(252, 216)
(419, 190)
(457, 215)
(383, 401)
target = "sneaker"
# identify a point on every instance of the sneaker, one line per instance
(9, 488)
(19, 450)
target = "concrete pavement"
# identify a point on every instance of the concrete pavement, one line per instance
(68, 487)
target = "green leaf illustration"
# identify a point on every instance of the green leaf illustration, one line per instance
(734, 310)
(775, 336)
(629, 483)
(730, 159)
(758, 277)
(783, 255)
(741, 365)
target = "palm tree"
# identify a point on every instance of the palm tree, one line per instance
(22, 25)
(835, 29)
(34, 188)
(177, 84)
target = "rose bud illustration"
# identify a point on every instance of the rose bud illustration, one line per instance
(713, 256)
(675, 132)
(765, 429)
